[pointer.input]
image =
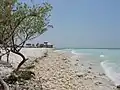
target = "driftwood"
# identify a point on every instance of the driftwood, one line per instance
(4, 85)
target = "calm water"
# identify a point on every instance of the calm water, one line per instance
(109, 60)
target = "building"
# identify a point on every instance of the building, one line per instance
(28, 45)
(46, 44)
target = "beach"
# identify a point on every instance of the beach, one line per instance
(61, 71)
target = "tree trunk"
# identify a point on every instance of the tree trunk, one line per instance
(0, 58)
(8, 57)
(22, 62)
(4, 85)
(7, 53)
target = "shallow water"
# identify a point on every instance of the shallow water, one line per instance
(108, 59)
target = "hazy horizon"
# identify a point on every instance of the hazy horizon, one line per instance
(83, 23)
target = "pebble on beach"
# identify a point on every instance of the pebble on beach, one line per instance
(80, 74)
(118, 86)
(76, 64)
(90, 67)
(64, 59)
(98, 83)
(89, 71)
(102, 74)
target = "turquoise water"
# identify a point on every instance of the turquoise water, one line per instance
(109, 60)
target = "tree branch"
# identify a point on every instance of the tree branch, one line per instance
(4, 84)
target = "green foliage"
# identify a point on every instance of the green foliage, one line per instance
(34, 20)
(31, 21)
(22, 21)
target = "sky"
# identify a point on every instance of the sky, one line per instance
(83, 23)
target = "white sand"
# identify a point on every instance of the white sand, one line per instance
(28, 53)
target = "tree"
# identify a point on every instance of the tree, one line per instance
(5, 14)
(20, 22)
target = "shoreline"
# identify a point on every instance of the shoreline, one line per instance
(60, 71)
(93, 70)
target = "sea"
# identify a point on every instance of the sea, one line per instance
(109, 60)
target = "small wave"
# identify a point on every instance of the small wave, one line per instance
(57, 50)
(110, 70)
(102, 56)
(79, 53)
(73, 52)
